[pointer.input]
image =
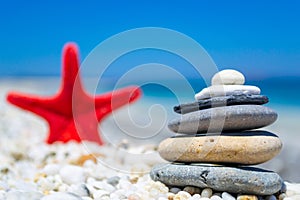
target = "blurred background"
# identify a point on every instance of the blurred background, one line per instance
(259, 38)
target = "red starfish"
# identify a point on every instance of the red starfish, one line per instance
(72, 114)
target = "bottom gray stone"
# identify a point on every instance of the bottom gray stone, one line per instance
(243, 180)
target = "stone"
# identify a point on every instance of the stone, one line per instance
(197, 197)
(215, 197)
(102, 185)
(228, 118)
(226, 90)
(296, 197)
(134, 197)
(72, 174)
(207, 192)
(239, 99)
(182, 195)
(228, 77)
(51, 169)
(100, 194)
(61, 196)
(271, 197)
(292, 189)
(244, 180)
(247, 197)
(247, 148)
(175, 190)
(227, 196)
(79, 189)
(16, 194)
(113, 180)
(192, 190)
(282, 196)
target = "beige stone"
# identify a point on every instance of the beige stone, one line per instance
(247, 197)
(238, 149)
(228, 77)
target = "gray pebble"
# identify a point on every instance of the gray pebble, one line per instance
(283, 188)
(271, 197)
(113, 180)
(245, 180)
(175, 190)
(228, 118)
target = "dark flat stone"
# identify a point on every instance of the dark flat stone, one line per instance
(253, 133)
(245, 180)
(239, 99)
(224, 119)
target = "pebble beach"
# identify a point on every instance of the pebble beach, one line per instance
(32, 169)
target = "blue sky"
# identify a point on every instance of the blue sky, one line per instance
(259, 38)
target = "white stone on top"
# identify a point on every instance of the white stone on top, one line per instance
(228, 77)
(226, 90)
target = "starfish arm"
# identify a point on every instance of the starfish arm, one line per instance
(30, 103)
(70, 73)
(104, 104)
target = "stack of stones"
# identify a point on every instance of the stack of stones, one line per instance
(217, 142)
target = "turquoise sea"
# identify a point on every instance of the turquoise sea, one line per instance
(283, 92)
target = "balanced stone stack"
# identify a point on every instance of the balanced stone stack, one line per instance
(217, 140)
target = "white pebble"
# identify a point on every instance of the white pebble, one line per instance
(79, 189)
(51, 169)
(120, 192)
(228, 77)
(282, 196)
(100, 194)
(227, 196)
(182, 195)
(61, 196)
(2, 194)
(103, 185)
(226, 90)
(292, 189)
(156, 188)
(113, 196)
(124, 184)
(215, 197)
(46, 184)
(86, 198)
(196, 197)
(4, 186)
(207, 192)
(25, 186)
(63, 187)
(162, 198)
(72, 174)
(22, 195)
(296, 197)
(134, 197)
